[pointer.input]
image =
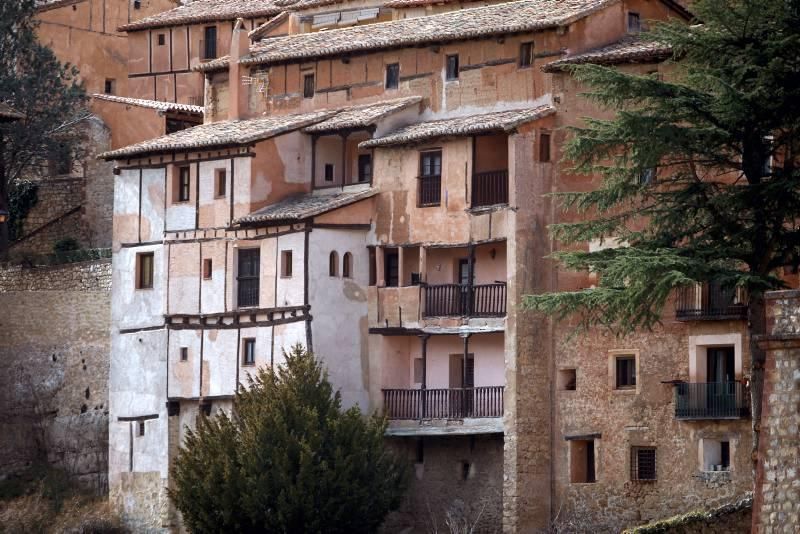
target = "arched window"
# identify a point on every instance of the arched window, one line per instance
(333, 264)
(347, 265)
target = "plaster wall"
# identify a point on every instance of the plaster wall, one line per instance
(137, 308)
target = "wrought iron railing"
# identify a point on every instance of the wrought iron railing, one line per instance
(247, 292)
(430, 190)
(489, 188)
(712, 400)
(710, 301)
(465, 300)
(453, 403)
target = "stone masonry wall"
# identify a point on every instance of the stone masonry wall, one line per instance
(777, 492)
(53, 384)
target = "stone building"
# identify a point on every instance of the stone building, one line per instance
(376, 191)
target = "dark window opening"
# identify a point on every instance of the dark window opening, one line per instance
(526, 54)
(634, 23)
(210, 42)
(647, 176)
(347, 265)
(184, 354)
(110, 88)
(430, 179)
(162, 39)
(207, 268)
(329, 172)
(308, 86)
(137, 4)
(373, 267)
(60, 161)
(452, 67)
(144, 269)
(333, 264)
(582, 462)
(643, 463)
(222, 179)
(393, 76)
(465, 468)
(183, 184)
(364, 167)
(544, 147)
(205, 409)
(625, 372)
(420, 451)
(249, 351)
(248, 277)
(725, 454)
(567, 380)
(176, 125)
(392, 267)
(286, 263)
(141, 428)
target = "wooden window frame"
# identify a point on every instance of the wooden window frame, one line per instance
(347, 265)
(208, 269)
(545, 147)
(249, 351)
(145, 261)
(451, 68)
(183, 190)
(162, 39)
(363, 175)
(210, 50)
(286, 263)
(526, 54)
(333, 264)
(220, 183)
(392, 76)
(309, 85)
(634, 27)
(619, 371)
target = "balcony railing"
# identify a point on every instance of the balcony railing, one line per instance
(710, 301)
(713, 400)
(489, 188)
(430, 191)
(463, 300)
(461, 403)
(247, 292)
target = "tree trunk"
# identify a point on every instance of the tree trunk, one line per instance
(757, 326)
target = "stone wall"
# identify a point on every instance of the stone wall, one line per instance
(734, 518)
(459, 476)
(53, 384)
(777, 492)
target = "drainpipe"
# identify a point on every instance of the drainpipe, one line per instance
(424, 339)
(465, 337)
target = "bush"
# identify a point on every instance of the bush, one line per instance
(66, 245)
(288, 459)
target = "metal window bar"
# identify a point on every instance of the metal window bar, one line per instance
(450, 403)
(711, 301)
(248, 278)
(430, 190)
(711, 400)
(489, 188)
(643, 463)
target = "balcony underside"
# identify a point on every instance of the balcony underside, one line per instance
(445, 427)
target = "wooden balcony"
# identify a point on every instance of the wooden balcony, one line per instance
(704, 302)
(713, 400)
(489, 188)
(460, 403)
(464, 300)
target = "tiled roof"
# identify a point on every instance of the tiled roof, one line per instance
(630, 50)
(362, 116)
(7, 113)
(207, 11)
(45, 5)
(301, 207)
(460, 126)
(151, 104)
(224, 133)
(267, 26)
(400, 4)
(505, 18)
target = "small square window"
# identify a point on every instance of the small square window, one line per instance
(452, 67)
(144, 270)
(205, 409)
(286, 263)
(647, 176)
(544, 147)
(137, 4)
(110, 86)
(634, 22)
(329, 169)
(182, 184)
(184, 354)
(715, 454)
(249, 351)
(625, 372)
(567, 379)
(308, 86)
(643, 463)
(140, 431)
(526, 54)
(162, 39)
(207, 268)
(221, 182)
(393, 76)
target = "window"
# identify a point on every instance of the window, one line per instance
(430, 179)
(209, 45)
(364, 167)
(308, 86)
(144, 270)
(625, 372)
(221, 182)
(329, 168)
(333, 264)
(544, 147)
(205, 408)
(110, 86)
(373, 267)
(766, 165)
(643, 463)
(418, 370)
(247, 279)
(286, 263)
(140, 431)
(567, 379)
(182, 185)
(526, 55)
(647, 176)
(582, 462)
(162, 39)
(393, 76)
(347, 265)
(420, 451)
(634, 23)
(137, 4)
(249, 351)
(392, 267)
(451, 68)
(716, 454)
(207, 268)
(184, 354)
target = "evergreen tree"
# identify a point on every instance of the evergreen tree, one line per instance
(34, 82)
(288, 459)
(718, 211)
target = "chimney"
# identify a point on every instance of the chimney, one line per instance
(238, 94)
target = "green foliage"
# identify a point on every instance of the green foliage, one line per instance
(287, 460)
(714, 213)
(21, 200)
(66, 245)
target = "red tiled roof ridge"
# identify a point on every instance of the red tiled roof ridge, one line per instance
(152, 104)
